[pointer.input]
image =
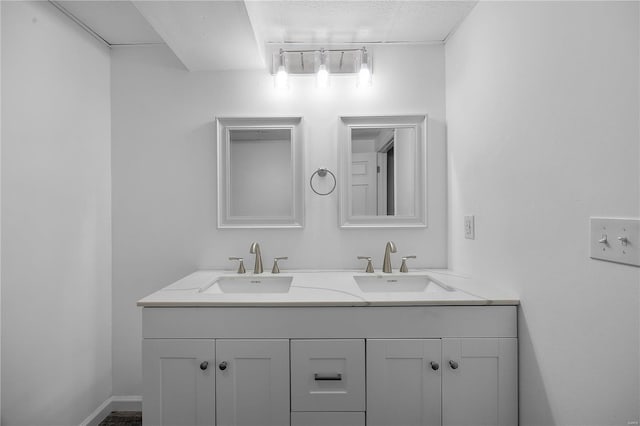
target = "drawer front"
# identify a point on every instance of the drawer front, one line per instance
(328, 375)
(327, 418)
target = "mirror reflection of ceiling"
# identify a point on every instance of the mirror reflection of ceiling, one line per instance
(260, 134)
(235, 35)
(369, 133)
(371, 139)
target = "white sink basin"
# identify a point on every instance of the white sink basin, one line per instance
(397, 283)
(251, 284)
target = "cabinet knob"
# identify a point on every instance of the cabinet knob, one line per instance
(223, 365)
(453, 365)
(204, 365)
(434, 365)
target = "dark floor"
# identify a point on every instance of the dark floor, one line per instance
(123, 418)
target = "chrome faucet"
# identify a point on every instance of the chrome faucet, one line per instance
(386, 263)
(255, 249)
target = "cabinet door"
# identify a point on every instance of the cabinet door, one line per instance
(479, 382)
(178, 382)
(404, 382)
(252, 388)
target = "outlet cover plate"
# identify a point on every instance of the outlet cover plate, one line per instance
(615, 240)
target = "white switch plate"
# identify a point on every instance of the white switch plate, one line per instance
(615, 240)
(469, 227)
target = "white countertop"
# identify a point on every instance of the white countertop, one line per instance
(322, 288)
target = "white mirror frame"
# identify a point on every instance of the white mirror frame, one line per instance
(223, 127)
(346, 126)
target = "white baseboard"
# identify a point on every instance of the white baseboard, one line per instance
(126, 403)
(114, 403)
(99, 414)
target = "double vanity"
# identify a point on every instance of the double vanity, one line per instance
(328, 348)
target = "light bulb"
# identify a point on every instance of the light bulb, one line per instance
(364, 76)
(282, 78)
(322, 77)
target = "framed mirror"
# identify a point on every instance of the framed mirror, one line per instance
(260, 182)
(383, 161)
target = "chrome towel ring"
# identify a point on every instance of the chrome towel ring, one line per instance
(322, 172)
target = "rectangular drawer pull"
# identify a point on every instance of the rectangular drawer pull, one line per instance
(327, 376)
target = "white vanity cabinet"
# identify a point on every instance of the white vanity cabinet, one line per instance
(252, 385)
(330, 366)
(483, 389)
(194, 382)
(404, 382)
(450, 382)
(179, 382)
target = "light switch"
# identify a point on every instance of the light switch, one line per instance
(469, 228)
(615, 240)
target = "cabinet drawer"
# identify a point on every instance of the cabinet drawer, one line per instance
(326, 418)
(328, 375)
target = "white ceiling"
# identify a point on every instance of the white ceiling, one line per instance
(338, 22)
(205, 35)
(116, 22)
(236, 34)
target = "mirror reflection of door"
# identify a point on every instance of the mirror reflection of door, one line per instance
(384, 163)
(373, 172)
(386, 173)
(405, 173)
(363, 184)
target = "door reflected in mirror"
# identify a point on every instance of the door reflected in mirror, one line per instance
(383, 161)
(383, 171)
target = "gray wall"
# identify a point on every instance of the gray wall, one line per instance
(164, 173)
(542, 127)
(56, 218)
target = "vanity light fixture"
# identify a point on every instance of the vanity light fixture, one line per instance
(322, 64)
(282, 76)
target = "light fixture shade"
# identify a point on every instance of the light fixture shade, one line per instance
(364, 74)
(322, 64)
(281, 79)
(322, 75)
